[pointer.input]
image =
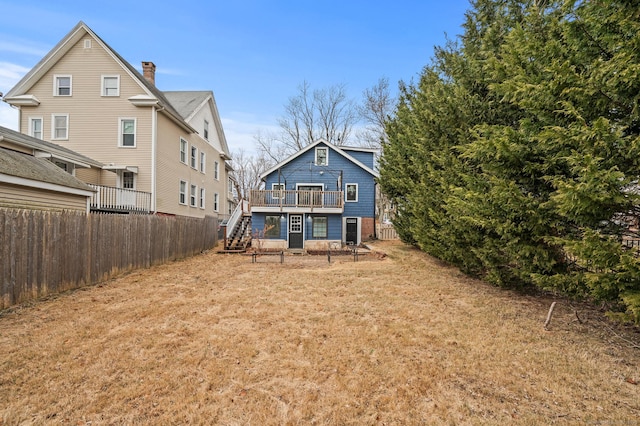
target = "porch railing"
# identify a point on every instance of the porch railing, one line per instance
(291, 198)
(108, 198)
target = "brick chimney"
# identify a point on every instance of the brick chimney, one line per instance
(149, 72)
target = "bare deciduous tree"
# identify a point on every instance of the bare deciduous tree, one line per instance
(308, 116)
(247, 171)
(377, 106)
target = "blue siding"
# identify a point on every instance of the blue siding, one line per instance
(257, 226)
(334, 227)
(365, 158)
(302, 170)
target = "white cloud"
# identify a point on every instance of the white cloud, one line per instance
(22, 48)
(240, 132)
(10, 74)
(8, 116)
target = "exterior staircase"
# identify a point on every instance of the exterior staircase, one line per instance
(237, 232)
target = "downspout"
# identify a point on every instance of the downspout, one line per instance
(375, 214)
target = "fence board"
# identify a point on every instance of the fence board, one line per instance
(49, 252)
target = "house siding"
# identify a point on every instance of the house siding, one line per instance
(173, 171)
(94, 119)
(16, 196)
(342, 169)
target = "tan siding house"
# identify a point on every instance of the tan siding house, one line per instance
(84, 96)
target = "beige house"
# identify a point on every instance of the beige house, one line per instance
(164, 149)
(37, 175)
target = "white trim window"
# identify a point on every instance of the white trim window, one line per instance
(216, 202)
(319, 226)
(216, 170)
(110, 85)
(128, 180)
(203, 161)
(230, 186)
(182, 198)
(322, 156)
(206, 129)
(351, 193)
(192, 195)
(127, 137)
(35, 127)
(202, 193)
(278, 190)
(60, 127)
(62, 85)
(194, 157)
(183, 151)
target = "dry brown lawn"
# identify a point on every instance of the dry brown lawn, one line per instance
(404, 340)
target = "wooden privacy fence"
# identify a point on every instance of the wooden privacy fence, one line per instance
(387, 232)
(44, 253)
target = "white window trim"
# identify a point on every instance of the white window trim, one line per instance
(193, 195)
(186, 151)
(102, 87)
(326, 158)
(216, 170)
(32, 119)
(203, 162)
(193, 157)
(216, 202)
(346, 192)
(53, 127)
(180, 192)
(205, 133)
(135, 132)
(120, 179)
(201, 201)
(273, 188)
(55, 84)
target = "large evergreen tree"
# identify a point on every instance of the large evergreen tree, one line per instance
(517, 154)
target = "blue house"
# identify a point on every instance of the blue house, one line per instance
(322, 195)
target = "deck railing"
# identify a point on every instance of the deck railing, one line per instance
(108, 198)
(291, 198)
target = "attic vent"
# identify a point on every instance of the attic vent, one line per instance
(87, 43)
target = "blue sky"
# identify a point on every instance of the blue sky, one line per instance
(253, 54)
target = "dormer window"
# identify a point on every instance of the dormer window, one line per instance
(322, 156)
(61, 85)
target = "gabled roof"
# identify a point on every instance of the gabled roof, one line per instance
(49, 148)
(313, 145)
(190, 102)
(64, 45)
(20, 165)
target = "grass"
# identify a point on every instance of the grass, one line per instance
(216, 339)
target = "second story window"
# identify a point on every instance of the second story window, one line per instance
(203, 160)
(110, 85)
(60, 126)
(206, 129)
(128, 132)
(61, 85)
(216, 170)
(183, 151)
(35, 127)
(351, 193)
(194, 156)
(322, 156)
